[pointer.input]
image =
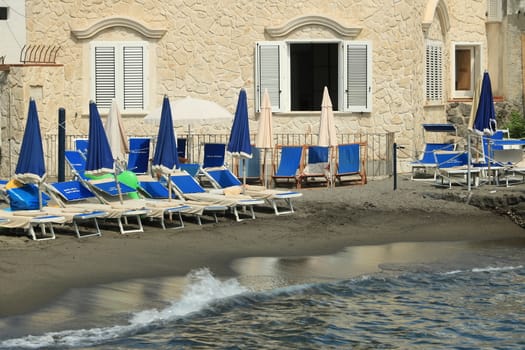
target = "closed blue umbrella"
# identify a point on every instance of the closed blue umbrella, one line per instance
(485, 120)
(239, 144)
(165, 157)
(31, 167)
(99, 157)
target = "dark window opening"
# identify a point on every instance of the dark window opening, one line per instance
(3, 13)
(312, 67)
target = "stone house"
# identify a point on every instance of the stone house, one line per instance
(390, 65)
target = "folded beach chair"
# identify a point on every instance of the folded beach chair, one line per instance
(290, 164)
(214, 155)
(452, 167)
(76, 162)
(223, 178)
(513, 166)
(317, 164)
(81, 145)
(188, 188)
(351, 162)
(138, 158)
(427, 162)
(159, 196)
(25, 212)
(181, 148)
(252, 168)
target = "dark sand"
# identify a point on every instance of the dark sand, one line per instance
(326, 221)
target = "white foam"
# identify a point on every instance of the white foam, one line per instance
(485, 269)
(202, 289)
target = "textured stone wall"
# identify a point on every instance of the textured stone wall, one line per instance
(208, 52)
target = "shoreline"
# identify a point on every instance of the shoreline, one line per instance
(326, 221)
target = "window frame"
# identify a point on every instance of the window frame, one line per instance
(475, 68)
(119, 83)
(281, 96)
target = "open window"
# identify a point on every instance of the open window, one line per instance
(295, 73)
(465, 69)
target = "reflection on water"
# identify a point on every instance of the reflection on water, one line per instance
(153, 306)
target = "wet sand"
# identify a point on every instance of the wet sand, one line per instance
(326, 221)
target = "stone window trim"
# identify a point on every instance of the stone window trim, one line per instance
(94, 29)
(305, 21)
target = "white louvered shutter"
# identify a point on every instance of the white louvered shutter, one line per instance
(133, 77)
(434, 72)
(105, 75)
(357, 77)
(494, 11)
(268, 73)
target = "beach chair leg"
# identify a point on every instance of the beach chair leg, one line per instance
(80, 235)
(43, 232)
(288, 201)
(124, 231)
(179, 226)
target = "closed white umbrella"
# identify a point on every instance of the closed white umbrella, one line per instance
(327, 131)
(118, 141)
(264, 137)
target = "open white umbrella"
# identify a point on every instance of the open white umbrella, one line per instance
(264, 137)
(327, 131)
(117, 138)
(192, 110)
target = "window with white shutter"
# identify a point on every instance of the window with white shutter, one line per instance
(494, 11)
(434, 72)
(295, 70)
(118, 72)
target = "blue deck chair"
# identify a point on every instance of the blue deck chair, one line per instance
(317, 163)
(290, 164)
(224, 178)
(24, 201)
(252, 165)
(78, 193)
(452, 167)
(214, 155)
(77, 163)
(427, 163)
(138, 158)
(63, 193)
(155, 189)
(181, 148)
(188, 188)
(351, 161)
(81, 145)
(192, 168)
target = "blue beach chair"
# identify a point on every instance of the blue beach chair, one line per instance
(351, 161)
(138, 158)
(290, 164)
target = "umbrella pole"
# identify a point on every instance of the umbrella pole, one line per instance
(169, 187)
(118, 184)
(243, 175)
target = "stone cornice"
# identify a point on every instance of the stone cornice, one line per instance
(294, 24)
(111, 22)
(436, 7)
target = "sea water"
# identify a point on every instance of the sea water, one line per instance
(462, 295)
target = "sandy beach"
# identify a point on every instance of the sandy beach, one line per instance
(326, 221)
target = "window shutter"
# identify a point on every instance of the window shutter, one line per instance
(358, 77)
(268, 73)
(104, 75)
(434, 73)
(133, 63)
(494, 11)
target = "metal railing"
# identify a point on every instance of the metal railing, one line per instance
(378, 160)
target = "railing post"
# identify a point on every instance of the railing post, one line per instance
(394, 164)
(61, 144)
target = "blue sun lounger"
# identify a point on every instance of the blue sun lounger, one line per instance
(188, 188)
(223, 178)
(351, 162)
(138, 158)
(157, 190)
